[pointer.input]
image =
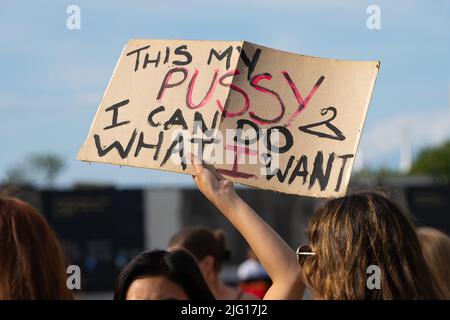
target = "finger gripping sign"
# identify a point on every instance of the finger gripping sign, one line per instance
(263, 117)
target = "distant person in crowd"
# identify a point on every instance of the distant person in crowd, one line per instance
(31, 259)
(346, 236)
(209, 249)
(436, 249)
(253, 279)
(162, 275)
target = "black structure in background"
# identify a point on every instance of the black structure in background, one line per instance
(101, 230)
(430, 205)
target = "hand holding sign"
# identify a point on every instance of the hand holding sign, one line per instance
(213, 185)
(262, 117)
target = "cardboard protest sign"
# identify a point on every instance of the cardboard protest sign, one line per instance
(262, 117)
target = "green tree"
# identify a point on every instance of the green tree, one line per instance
(17, 175)
(433, 161)
(47, 164)
(39, 168)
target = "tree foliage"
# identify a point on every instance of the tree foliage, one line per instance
(39, 168)
(433, 161)
(48, 165)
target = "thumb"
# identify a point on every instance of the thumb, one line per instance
(196, 164)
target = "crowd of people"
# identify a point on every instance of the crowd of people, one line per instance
(345, 236)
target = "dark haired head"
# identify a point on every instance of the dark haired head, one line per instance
(202, 242)
(177, 266)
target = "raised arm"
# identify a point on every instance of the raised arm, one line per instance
(275, 255)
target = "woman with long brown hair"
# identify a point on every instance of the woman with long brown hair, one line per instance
(347, 236)
(31, 259)
(352, 233)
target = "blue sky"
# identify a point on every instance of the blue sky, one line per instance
(52, 78)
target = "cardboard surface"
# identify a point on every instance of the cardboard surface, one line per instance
(312, 109)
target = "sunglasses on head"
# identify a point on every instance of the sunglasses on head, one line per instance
(304, 252)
